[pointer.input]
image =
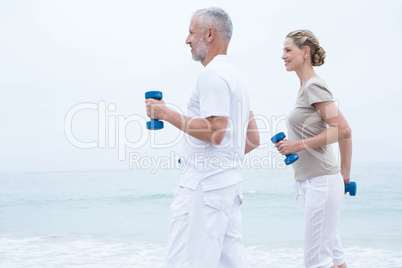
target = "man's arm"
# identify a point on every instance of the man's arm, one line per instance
(211, 129)
(253, 136)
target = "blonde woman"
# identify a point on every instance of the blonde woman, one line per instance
(313, 124)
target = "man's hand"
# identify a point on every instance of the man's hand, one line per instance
(156, 109)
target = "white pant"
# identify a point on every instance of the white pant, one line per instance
(322, 199)
(205, 229)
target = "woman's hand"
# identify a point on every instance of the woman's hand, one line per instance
(286, 147)
(346, 176)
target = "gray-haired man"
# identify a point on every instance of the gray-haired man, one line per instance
(205, 225)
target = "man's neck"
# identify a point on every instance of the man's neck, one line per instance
(213, 52)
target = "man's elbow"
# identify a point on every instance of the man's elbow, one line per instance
(217, 126)
(254, 140)
(217, 138)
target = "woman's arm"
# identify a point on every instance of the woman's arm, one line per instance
(338, 130)
(345, 148)
(253, 136)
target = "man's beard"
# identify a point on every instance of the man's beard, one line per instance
(200, 50)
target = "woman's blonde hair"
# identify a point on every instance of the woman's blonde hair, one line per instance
(303, 38)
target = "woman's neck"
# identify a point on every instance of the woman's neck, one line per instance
(305, 74)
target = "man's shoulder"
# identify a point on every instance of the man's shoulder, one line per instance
(221, 67)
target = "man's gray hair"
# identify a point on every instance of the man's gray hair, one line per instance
(216, 17)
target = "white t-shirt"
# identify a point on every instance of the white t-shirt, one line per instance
(219, 92)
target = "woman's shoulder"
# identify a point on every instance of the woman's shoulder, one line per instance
(317, 91)
(316, 81)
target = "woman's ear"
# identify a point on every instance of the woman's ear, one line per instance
(306, 52)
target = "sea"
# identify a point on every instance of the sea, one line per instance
(120, 218)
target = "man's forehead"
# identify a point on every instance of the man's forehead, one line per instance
(194, 22)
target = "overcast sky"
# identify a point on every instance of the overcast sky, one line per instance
(90, 62)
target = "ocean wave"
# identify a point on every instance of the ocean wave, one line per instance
(86, 251)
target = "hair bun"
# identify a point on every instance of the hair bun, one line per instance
(319, 57)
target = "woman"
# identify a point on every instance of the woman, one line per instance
(313, 124)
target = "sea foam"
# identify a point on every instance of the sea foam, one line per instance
(84, 251)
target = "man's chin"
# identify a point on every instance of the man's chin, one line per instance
(196, 58)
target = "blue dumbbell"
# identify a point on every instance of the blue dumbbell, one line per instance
(154, 124)
(290, 158)
(351, 188)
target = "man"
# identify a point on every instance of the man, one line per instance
(205, 224)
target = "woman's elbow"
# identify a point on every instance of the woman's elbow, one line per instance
(346, 133)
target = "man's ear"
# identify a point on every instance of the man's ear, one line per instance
(210, 34)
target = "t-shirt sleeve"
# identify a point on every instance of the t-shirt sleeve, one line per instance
(214, 95)
(317, 92)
